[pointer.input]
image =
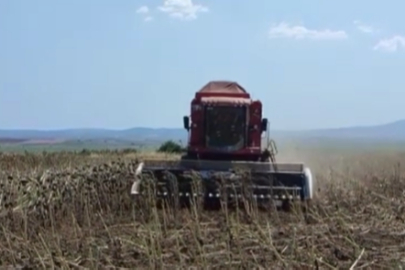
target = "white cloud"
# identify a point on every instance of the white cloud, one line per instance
(182, 9)
(284, 30)
(364, 27)
(142, 10)
(390, 44)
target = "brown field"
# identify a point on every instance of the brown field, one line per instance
(74, 211)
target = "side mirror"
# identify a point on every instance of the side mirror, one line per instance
(264, 124)
(186, 123)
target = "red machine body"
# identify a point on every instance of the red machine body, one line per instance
(226, 124)
(225, 136)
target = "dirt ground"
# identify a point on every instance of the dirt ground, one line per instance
(74, 211)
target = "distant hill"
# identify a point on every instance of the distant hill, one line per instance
(133, 134)
(394, 131)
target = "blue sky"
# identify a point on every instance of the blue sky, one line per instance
(120, 64)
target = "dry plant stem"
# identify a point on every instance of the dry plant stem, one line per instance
(357, 260)
(67, 210)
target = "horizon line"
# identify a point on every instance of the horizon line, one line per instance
(180, 128)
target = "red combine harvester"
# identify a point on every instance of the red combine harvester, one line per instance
(227, 155)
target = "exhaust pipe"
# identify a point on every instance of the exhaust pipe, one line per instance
(138, 179)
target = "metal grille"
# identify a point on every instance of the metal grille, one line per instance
(225, 127)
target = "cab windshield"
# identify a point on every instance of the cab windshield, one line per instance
(225, 127)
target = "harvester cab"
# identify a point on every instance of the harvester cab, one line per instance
(227, 125)
(225, 142)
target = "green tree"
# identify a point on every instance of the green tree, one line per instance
(171, 147)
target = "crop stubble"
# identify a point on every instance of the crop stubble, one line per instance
(71, 210)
